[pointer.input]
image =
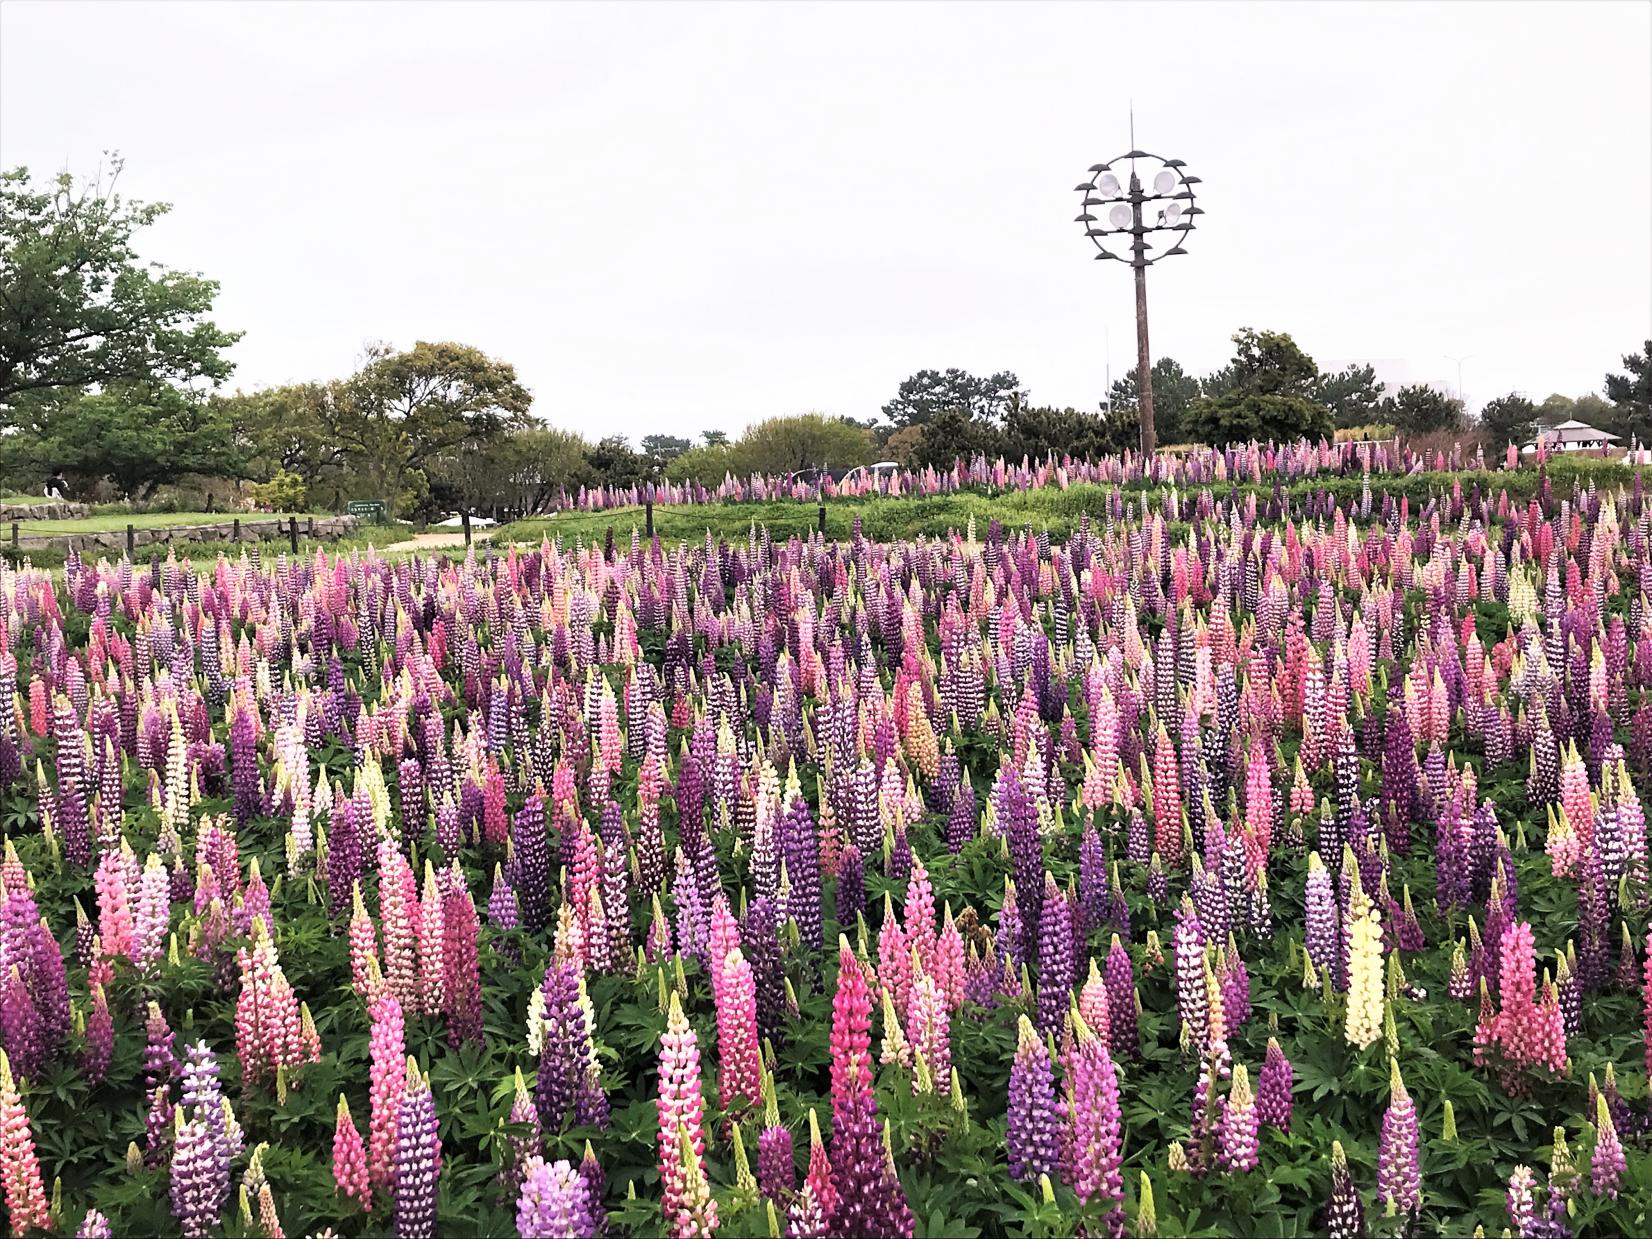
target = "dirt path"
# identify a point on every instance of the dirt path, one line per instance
(437, 541)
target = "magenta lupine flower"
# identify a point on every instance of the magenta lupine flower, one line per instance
(1094, 1127)
(554, 1203)
(418, 1159)
(1033, 1138)
(776, 1163)
(1273, 1088)
(100, 1038)
(1399, 1181)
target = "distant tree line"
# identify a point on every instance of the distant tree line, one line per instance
(112, 373)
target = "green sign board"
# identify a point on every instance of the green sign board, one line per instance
(367, 509)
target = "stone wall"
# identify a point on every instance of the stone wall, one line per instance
(45, 510)
(253, 529)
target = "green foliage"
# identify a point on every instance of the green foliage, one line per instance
(706, 465)
(614, 462)
(1174, 391)
(929, 393)
(664, 448)
(79, 309)
(1419, 409)
(1266, 392)
(133, 434)
(285, 492)
(1509, 419)
(1353, 395)
(1631, 394)
(401, 410)
(803, 441)
(521, 472)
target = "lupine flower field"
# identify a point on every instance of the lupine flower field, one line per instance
(1253, 862)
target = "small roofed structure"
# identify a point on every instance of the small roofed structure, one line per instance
(1572, 436)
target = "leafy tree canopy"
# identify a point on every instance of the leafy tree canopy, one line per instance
(931, 392)
(1631, 394)
(803, 441)
(1510, 419)
(1266, 392)
(1174, 389)
(665, 447)
(78, 309)
(1418, 409)
(1353, 395)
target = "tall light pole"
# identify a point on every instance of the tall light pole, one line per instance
(1129, 206)
(1459, 361)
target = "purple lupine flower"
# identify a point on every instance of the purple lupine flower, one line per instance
(1273, 1088)
(94, 1226)
(555, 1202)
(596, 1186)
(532, 877)
(1344, 1213)
(1018, 817)
(1056, 966)
(200, 1179)
(960, 819)
(1095, 898)
(1322, 932)
(851, 885)
(1521, 1200)
(1120, 978)
(344, 855)
(1399, 1181)
(1033, 1137)
(1192, 999)
(760, 940)
(418, 1159)
(802, 850)
(776, 1163)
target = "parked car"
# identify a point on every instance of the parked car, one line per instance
(877, 473)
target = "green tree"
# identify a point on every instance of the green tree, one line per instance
(664, 448)
(78, 309)
(1631, 394)
(284, 429)
(1353, 395)
(707, 465)
(519, 473)
(715, 438)
(929, 392)
(1266, 393)
(1510, 419)
(1174, 389)
(1419, 409)
(803, 441)
(1039, 432)
(133, 434)
(951, 435)
(614, 462)
(402, 410)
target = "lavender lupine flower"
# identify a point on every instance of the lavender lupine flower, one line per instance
(1399, 1182)
(1019, 820)
(960, 820)
(776, 1162)
(1033, 1138)
(1273, 1091)
(1322, 936)
(1607, 1163)
(1192, 999)
(200, 1178)
(1237, 1149)
(554, 1202)
(94, 1226)
(1521, 1200)
(1094, 896)
(802, 849)
(418, 1159)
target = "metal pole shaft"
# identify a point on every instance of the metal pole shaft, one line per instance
(1144, 367)
(1144, 360)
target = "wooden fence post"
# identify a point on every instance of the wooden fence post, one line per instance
(292, 533)
(131, 541)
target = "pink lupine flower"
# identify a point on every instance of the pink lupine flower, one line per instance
(398, 907)
(387, 1080)
(19, 1168)
(350, 1158)
(364, 944)
(740, 1073)
(681, 1109)
(431, 940)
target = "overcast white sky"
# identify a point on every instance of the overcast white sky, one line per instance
(678, 216)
